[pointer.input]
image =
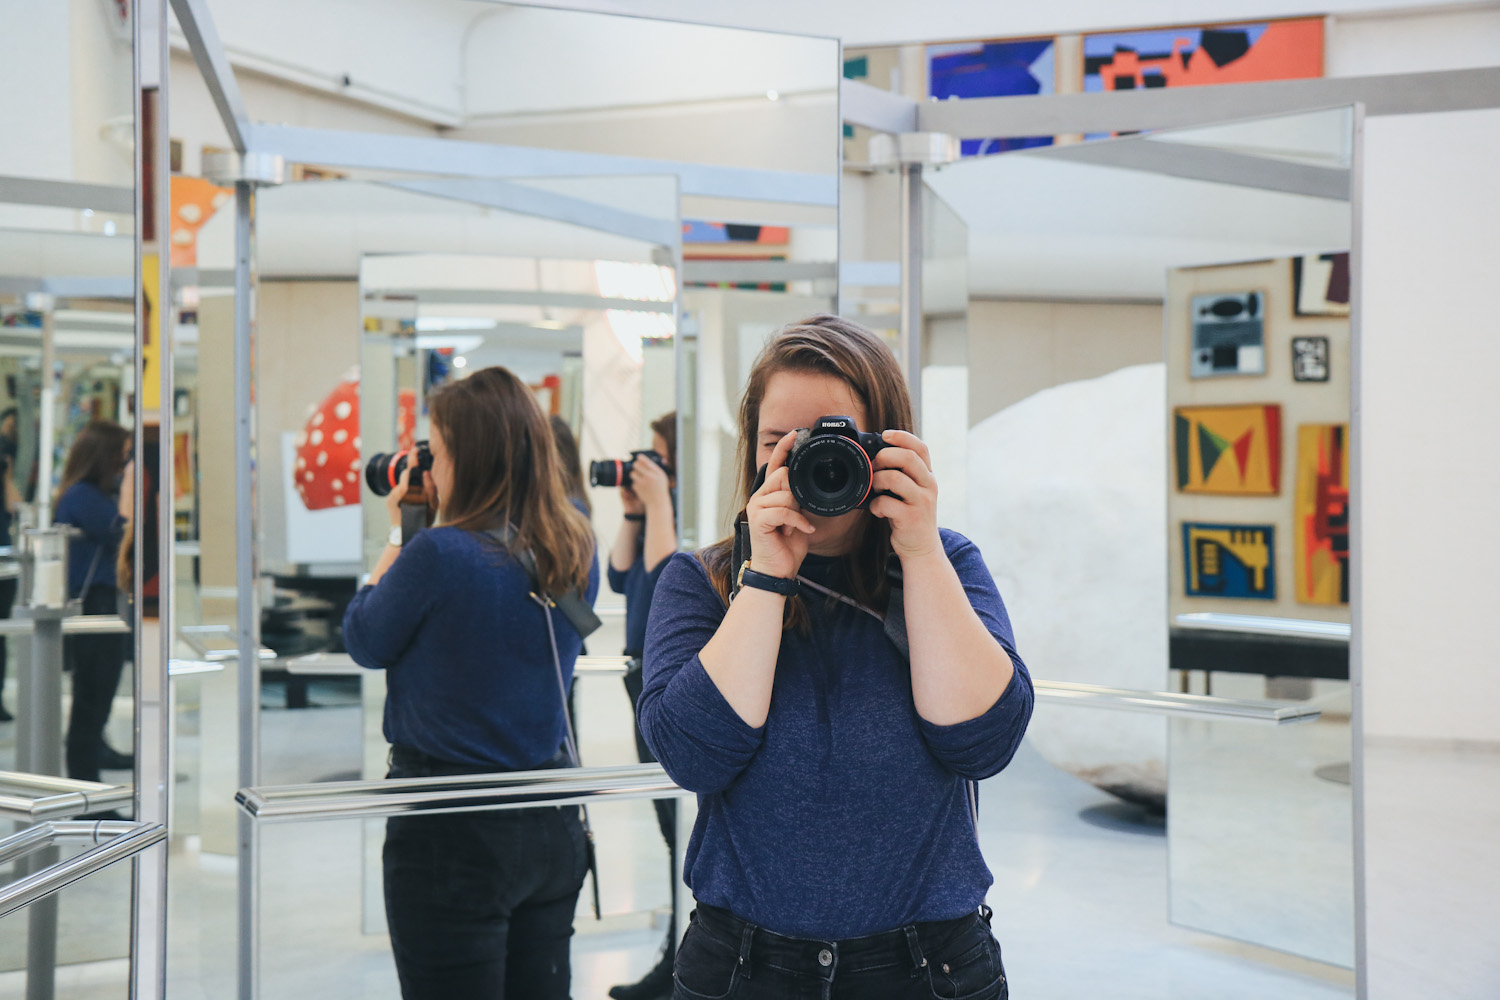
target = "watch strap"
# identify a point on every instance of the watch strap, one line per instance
(764, 581)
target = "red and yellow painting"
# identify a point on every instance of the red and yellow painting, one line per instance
(1228, 450)
(1322, 514)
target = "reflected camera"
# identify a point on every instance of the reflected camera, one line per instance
(616, 471)
(384, 470)
(830, 466)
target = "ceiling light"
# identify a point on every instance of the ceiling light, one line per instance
(773, 95)
(460, 362)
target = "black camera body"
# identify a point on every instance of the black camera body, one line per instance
(384, 470)
(831, 466)
(616, 471)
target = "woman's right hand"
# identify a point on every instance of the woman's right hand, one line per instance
(779, 531)
(398, 493)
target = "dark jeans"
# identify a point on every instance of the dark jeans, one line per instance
(96, 662)
(666, 809)
(481, 904)
(723, 956)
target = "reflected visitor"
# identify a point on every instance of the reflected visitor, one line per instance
(570, 462)
(831, 687)
(646, 539)
(10, 503)
(89, 501)
(481, 904)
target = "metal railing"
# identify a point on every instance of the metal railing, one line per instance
(72, 625)
(1275, 713)
(54, 798)
(114, 841)
(1287, 628)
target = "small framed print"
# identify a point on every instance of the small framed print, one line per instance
(1310, 359)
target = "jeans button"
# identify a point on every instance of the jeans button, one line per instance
(825, 958)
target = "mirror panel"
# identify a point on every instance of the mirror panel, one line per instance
(1103, 278)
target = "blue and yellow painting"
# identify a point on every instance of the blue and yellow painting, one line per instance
(1229, 560)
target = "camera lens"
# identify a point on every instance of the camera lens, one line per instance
(609, 472)
(830, 475)
(379, 475)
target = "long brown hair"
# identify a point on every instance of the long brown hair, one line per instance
(97, 457)
(506, 468)
(666, 426)
(825, 345)
(569, 462)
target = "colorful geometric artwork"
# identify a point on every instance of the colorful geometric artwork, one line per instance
(699, 231)
(1322, 514)
(993, 69)
(1233, 450)
(1320, 285)
(1230, 560)
(1189, 57)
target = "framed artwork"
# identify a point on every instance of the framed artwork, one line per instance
(1022, 68)
(1320, 285)
(1310, 359)
(1228, 335)
(1228, 450)
(1190, 57)
(1321, 512)
(1229, 560)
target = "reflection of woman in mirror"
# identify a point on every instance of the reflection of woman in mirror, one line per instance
(834, 842)
(647, 537)
(10, 502)
(480, 904)
(571, 463)
(89, 501)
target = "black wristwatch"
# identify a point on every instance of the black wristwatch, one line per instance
(764, 581)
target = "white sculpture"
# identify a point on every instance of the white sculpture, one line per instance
(1067, 501)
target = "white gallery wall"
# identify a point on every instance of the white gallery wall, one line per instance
(1425, 497)
(1429, 393)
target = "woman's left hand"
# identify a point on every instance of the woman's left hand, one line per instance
(904, 467)
(397, 494)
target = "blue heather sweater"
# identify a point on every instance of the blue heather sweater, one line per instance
(846, 813)
(469, 667)
(91, 556)
(637, 584)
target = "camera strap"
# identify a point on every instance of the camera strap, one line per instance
(585, 622)
(893, 621)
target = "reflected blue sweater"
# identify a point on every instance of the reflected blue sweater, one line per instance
(92, 554)
(846, 813)
(469, 669)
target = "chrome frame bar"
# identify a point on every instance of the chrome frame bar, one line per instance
(59, 797)
(1290, 628)
(72, 625)
(115, 841)
(1276, 713)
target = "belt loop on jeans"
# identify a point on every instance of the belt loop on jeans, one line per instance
(918, 960)
(986, 913)
(746, 936)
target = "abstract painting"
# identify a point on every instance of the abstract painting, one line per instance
(1228, 335)
(1230, 560)
(1189, 57)
(1320, 285)
(993, 69)
(1322, 514)
(1230, 450)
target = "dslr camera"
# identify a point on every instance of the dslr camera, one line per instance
(831, 466)
(384, 470)
(616, 471)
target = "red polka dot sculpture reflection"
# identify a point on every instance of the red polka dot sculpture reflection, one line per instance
(328, 466)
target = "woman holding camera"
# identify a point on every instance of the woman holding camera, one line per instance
(480, 904)
(647, 538)
(835, 853)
